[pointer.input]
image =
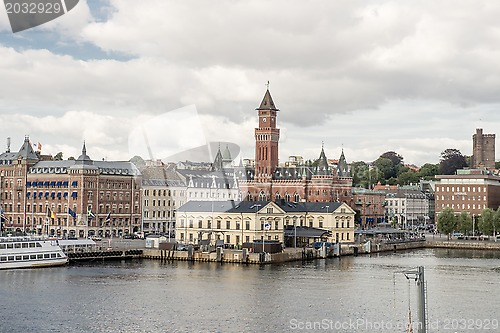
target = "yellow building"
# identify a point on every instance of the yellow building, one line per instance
(236, 222)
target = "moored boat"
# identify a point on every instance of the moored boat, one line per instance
(30, 252)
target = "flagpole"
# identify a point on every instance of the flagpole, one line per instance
(67, 221)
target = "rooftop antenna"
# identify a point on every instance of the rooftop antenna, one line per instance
(8, 145)
(267, 84)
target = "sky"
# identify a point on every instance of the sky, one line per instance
(159, 77)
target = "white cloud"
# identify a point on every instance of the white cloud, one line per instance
(416, 78)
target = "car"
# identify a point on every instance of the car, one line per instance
(131, 236)
(181, 247)
(457, 234)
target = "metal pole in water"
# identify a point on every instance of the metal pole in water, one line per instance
(421, 300)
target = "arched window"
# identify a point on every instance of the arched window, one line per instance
(262, 196)
(296, 197)
(277, 197)
(287, 197)
(249, 196)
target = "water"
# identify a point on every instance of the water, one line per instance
(353, 294)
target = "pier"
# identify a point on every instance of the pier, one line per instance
(137, 250)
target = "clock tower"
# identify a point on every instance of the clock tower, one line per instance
(266, 140)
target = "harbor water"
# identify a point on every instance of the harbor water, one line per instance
(351, 294)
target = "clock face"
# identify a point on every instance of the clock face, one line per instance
(264, 119)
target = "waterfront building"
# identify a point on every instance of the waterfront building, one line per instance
(161, 189)
(407, 208)
(268, 181)
(470, 190)
(78, 197)
(370, 205)
(238, 222)
(165, 189)
(483, 150)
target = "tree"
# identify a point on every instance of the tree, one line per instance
(59, 156)
(447, 221)
(395, 158)
(496, 222)
(408, 177)
(464, 223)
(385, 166)
(359, 173)
(451, 161)
(428, 171)
(485, 224)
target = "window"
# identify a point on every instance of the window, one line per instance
(247, 225)
(228, 224)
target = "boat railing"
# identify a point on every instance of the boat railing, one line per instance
(24, 239)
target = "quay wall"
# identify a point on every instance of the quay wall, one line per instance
(297, 254)
(463, 245)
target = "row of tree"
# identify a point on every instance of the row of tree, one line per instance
(390, 169)
(488, 223)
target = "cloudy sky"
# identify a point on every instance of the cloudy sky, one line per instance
(158, 77)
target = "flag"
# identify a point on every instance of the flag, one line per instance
(39, 146)
(72, 213)
(108, 218)
(2, 215)
(90, 214)
(50, 213)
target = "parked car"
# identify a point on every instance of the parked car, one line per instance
(181, 247)
(457, 234)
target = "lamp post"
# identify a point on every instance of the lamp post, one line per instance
(257, 206)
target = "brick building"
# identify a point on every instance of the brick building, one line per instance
(470, 190)
(483, 150)
(78, 197)
(298, 183)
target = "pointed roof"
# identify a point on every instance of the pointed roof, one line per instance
(218, 161)
(26, 152)
(267, 103)
(342, 168)
(226, 156)
(84, 159)
(322, 168)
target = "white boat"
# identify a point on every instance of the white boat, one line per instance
(30, 252)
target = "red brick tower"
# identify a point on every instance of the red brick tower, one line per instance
(266, 140)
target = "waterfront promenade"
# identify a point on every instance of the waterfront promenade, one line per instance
(295, 254)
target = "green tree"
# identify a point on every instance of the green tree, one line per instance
(395, 158)
(428, 171)
(359, 173)
(464, 223)
(447, 221)
(451, 161)
(496, 222)
(386, 168)
(408, 177)
(485, 224)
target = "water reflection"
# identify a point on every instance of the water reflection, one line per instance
(153, 296)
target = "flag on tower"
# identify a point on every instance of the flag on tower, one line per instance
(108, 218)
(90, 214)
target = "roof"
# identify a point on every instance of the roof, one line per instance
(26, 152)
(267, 102)
(105, 167)
(256, 206)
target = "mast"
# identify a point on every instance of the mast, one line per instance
(418, 275)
